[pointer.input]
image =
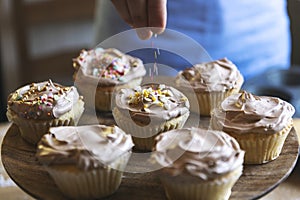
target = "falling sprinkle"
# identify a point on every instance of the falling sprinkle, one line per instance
(150, 74)
(154, 71)
(158, 52)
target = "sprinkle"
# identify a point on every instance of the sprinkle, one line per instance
(161, 104)
(56, 97)
(19, 97)
(155, 69)
(158, 52)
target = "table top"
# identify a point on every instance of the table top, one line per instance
(291, 186)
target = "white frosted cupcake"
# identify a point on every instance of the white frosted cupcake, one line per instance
(259, 123)
(85, 162)
(146, 111)
(37, 106)
(207, 84)
(198, 164)
(99, 72)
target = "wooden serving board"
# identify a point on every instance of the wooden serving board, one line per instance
(19, 160)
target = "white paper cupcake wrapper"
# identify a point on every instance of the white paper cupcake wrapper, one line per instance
(32, 130)
(102, 101)
(207, 101)
(259, 148)
(143, 136)
(92, 184)
(177, 189)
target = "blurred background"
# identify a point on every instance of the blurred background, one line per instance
(39, 38)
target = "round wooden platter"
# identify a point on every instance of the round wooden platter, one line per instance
(19, 160)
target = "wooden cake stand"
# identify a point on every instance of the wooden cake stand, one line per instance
(19, 160)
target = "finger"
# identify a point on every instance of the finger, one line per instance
(144, 33)
(139, 16)
(122, 8)
(157, 15)
(138, 12)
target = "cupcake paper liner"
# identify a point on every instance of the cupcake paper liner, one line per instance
(262, 148)
(147, 134)
(92, 184)
(203, 103)
(259, 148)
(32, 130)
(102, 101)
(219, 189)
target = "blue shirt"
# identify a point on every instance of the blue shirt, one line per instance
(253, 34)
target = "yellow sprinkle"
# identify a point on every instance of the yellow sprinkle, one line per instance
(161, 104)
(145, 93)
(153, 98)
(184, 99)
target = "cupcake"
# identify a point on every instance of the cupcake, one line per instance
(148, 110)
(85, 162)
(36, 107)
(198, 164)
(259, 123)
(98, 72)
(208, 84)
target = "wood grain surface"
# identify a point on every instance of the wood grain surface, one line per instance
(19, 160)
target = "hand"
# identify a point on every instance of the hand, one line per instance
(143, 13)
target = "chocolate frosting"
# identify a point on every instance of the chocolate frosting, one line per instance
(108, 67)
(156, 101)
(87, 147)
(205, 154)
(44, 100)
(219, 75)
(245, 112)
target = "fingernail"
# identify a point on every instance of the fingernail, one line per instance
(157, 30)
(144, 33)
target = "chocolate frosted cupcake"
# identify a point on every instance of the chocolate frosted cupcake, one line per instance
(98, 72)
(149, 110)
(85, 162)
(259, 123)
(208, 84)
(36, 107)
(198, 163)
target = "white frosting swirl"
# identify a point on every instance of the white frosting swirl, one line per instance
(87, 147)
(218, 75)
(157, 101)
(245, 112)
(108, 66)
(43, 100)
(201, 153)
